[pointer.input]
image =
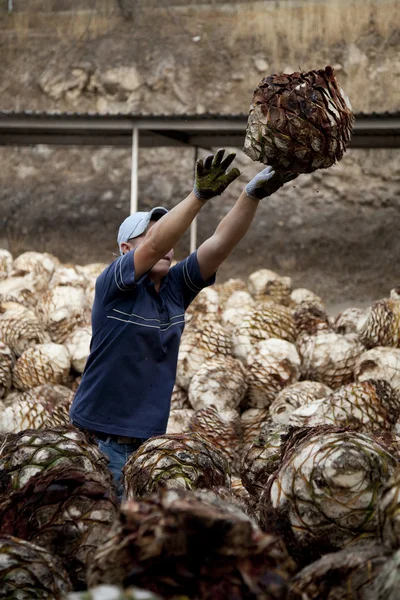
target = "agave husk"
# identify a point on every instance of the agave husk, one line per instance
(181, 543)
(198, 344)
(114, 592)
(7, 360)
(221, 382)
(78, 346)
(25, 454)
(29, 571)
(386, 584)
(380, 325)
(324, 495)
(329, 358)
(222, 429)
(268, 285)
(262, 459)
(28, 414)
(379, 363)
(370, 406)
(227, 289)
(38, 265)
(252, 421)
(267, 320)
(299, 122)
(65, 510)
(6, 261)
(63, 309)
(179, 419)
(272, 365)
(179, 398)
(43, 363)
(311, 318)
(348, 320)
(21, 329)
(343, 575)
(389, 512)
(185, 461)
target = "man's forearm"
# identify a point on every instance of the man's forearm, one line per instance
(228, 234)
(236, 223)
(171, 227)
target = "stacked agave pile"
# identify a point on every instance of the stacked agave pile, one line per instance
(45, 334)
(278, 476)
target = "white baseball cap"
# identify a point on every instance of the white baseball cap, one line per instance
(136, 224)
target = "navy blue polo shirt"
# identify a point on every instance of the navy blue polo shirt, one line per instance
(130, 373)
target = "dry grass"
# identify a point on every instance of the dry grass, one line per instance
(68, 25)
(297, 25)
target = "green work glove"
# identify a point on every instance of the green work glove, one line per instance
(267, 182)
(211, 178)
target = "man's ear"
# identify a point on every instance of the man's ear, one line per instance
(124, 248)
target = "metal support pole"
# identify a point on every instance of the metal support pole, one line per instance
(193, 226)
(134, 170)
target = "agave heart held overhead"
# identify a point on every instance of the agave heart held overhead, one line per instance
(300, 122)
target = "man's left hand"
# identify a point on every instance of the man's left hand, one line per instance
(267, 182)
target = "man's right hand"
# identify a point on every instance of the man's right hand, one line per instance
(211, 178)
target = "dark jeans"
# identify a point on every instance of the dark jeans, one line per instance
(118, 455)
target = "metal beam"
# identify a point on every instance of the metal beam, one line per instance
(22, 129)
(135, 170)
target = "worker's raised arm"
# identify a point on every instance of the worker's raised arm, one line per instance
(235, 224)
(211, 179)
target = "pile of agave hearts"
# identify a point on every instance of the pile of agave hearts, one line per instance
(278, 477)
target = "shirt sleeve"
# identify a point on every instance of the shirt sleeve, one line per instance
(187, 279)
(119, 278)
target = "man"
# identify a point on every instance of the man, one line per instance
(138, 311)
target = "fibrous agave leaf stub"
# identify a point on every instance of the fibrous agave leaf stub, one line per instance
(345, 574)
(299, 122)
(67, 505)
(194, 544)
(187, 461)
(26, 568)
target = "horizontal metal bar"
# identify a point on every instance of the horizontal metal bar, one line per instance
(125, 124)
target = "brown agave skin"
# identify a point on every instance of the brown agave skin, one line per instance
(299, 122)
(381, 325)
(29, 452)
(21, 329)
(29, 571)
(192, 544)
(311, 318)
(65, 510)
(389, 512)
(387, 583)
(262, 459)
(186, 461)
(112, 592)
(7, 360)
(343, 575)
(324, 495)
(222, 430)
(252, 421)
